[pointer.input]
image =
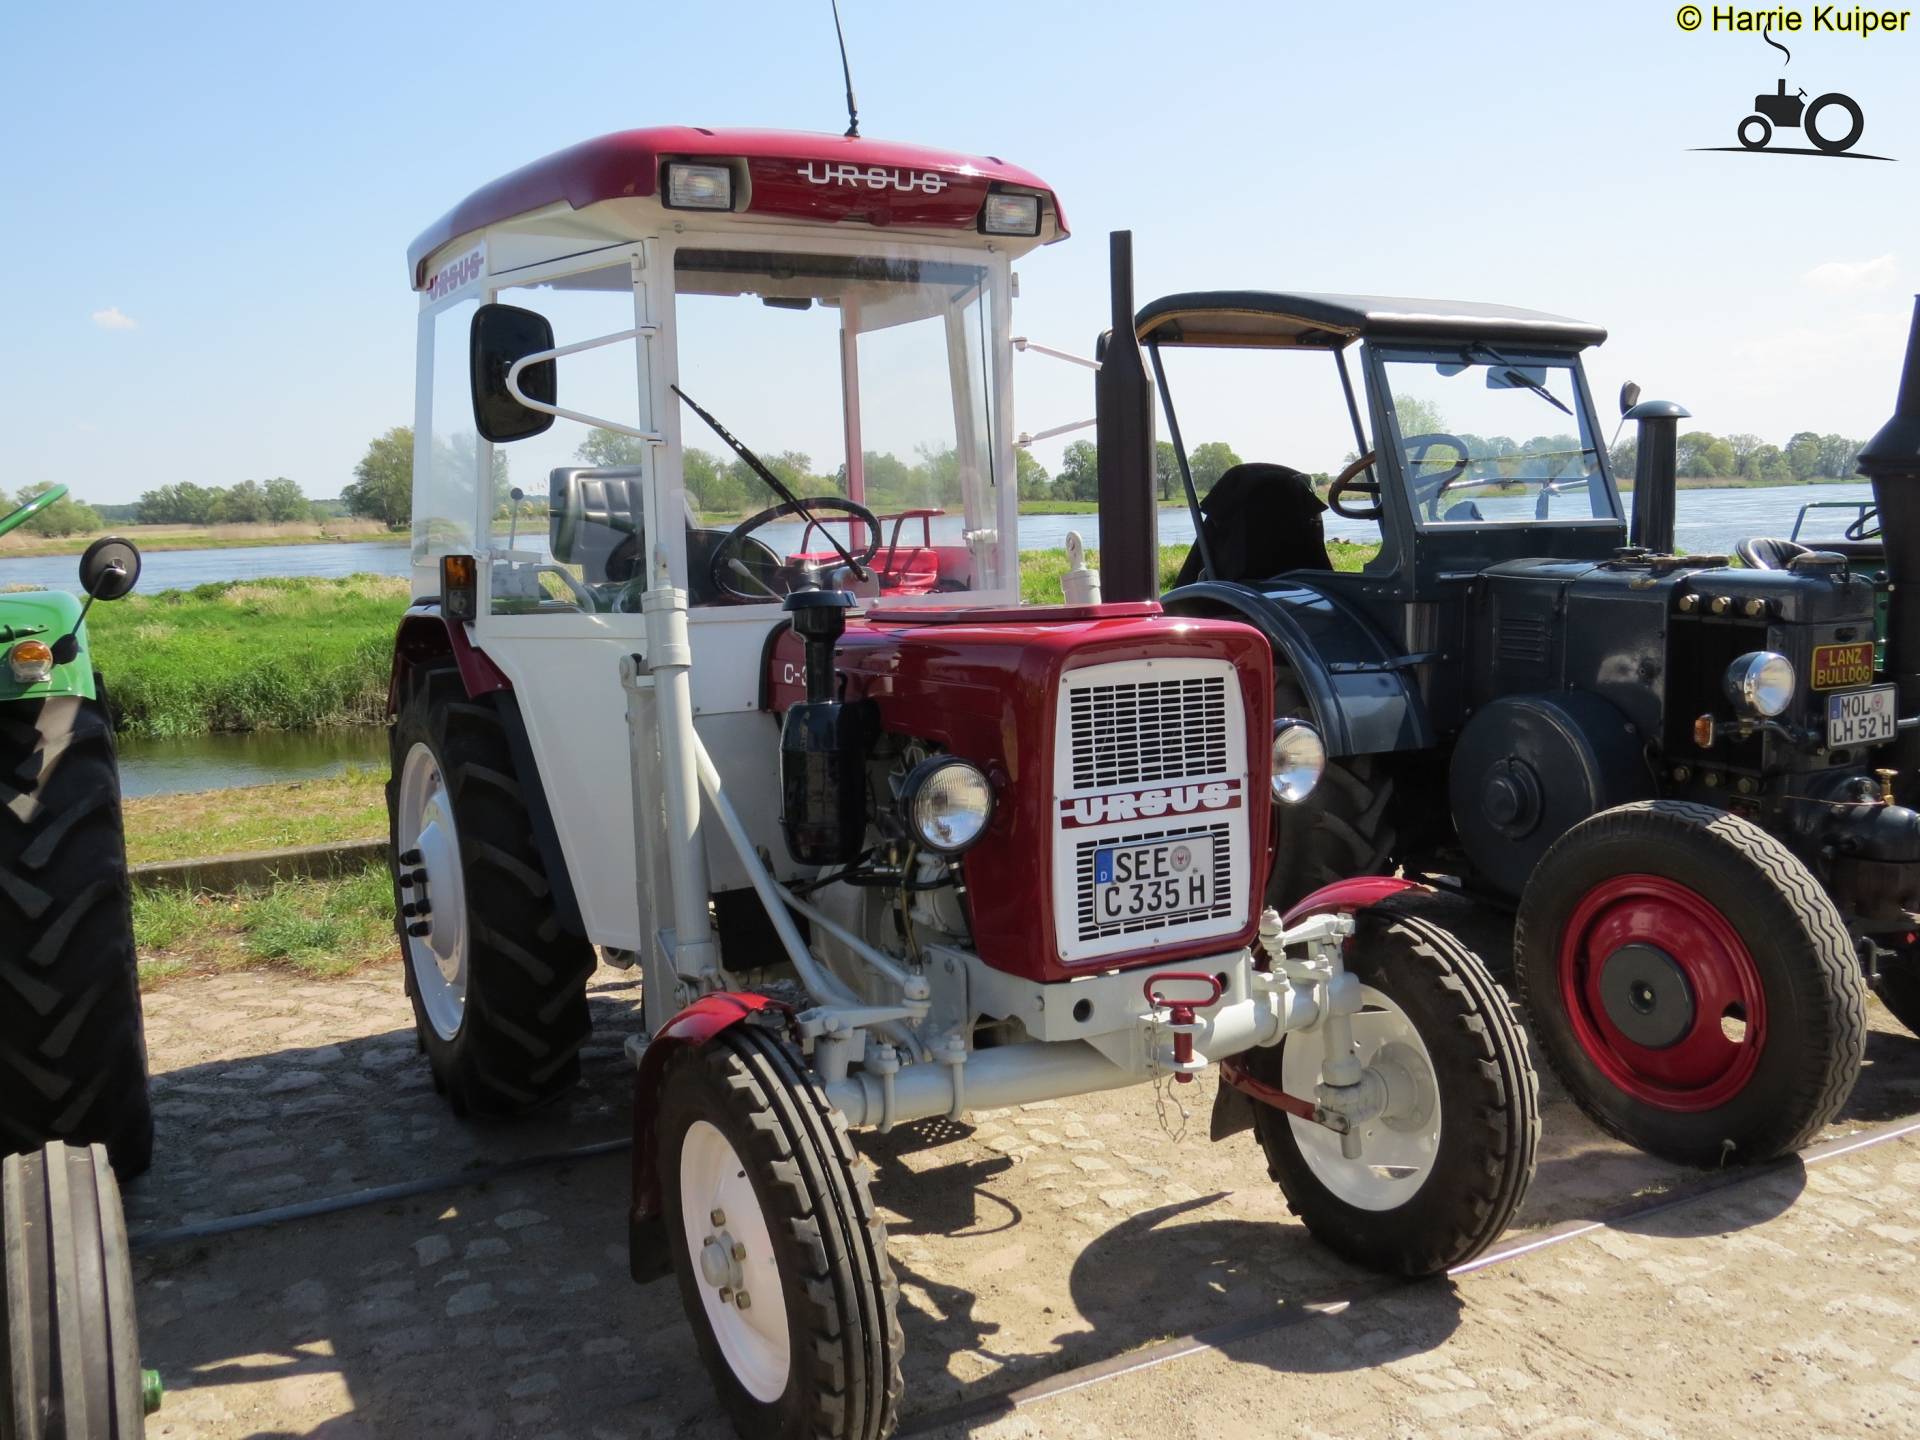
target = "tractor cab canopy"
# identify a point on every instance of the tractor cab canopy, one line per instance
(738, 360)
(1476, 440)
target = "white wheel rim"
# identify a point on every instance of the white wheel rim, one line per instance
(424, 822)
(733, 1254)
(1398, 1148)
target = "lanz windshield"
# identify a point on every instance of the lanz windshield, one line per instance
(1489, 435)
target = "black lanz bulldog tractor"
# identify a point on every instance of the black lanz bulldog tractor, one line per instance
(1689, 781)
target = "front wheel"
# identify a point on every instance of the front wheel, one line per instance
(1443, 1169)
(69, 1349)
(781, 1257)
(1691, 983)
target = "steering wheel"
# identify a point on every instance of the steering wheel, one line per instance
(1345, 481)
(731, 552)
(1865, 526)
(1417, 447)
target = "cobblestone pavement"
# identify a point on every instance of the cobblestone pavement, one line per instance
(1030, 1242)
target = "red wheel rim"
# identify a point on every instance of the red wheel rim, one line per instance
(1710, 1061)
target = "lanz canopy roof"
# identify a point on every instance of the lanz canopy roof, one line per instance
(1306, 321)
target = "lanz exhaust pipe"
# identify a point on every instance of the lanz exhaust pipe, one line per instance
(1891, 461)
(1123, 431)
(1656, 459)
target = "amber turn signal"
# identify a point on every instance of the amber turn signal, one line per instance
(31, 661)
(459, 587)
(1703, 732)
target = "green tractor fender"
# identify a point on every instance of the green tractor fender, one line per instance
(44, 615)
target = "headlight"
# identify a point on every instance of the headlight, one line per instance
(1010, 215)
(31, 661)
(1299, 760)
(948, 803)
(698, 187)
(1760, 683)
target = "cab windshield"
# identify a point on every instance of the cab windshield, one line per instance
(1491, 436)
(863, 383)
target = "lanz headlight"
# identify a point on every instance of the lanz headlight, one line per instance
(1299, 760)
(1760, 683)
(948, 803)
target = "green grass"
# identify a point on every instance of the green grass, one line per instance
(314, 927)
(279, 654)
(350, 806)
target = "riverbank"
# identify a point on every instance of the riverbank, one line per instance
(158, 539)
(310, 653)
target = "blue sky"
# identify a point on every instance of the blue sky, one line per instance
(206, 207)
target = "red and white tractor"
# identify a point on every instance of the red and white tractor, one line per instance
(885, 845)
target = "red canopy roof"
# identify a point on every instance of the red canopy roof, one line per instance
(819, 177)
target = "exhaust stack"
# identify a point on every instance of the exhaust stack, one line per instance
(1123, 399)
(1892, 462)
(1656, 460)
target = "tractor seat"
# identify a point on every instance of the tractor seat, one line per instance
(1260, 520)
(1767, 552)
(595, 520)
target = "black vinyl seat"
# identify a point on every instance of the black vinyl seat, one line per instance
(1260, 520)
(1769, 552)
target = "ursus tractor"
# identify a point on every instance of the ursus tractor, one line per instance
(1689, 783)
(766, 720)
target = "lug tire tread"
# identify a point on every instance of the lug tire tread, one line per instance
(1470, 1202)
(824, 1201)
(526, 1016)
(73, 1055)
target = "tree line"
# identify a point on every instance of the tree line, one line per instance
(278, 501)
(66, 516)
(1806, 456)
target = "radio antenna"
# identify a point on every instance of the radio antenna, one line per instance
(853, 109)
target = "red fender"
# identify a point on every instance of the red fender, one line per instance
(710, 1015)
(1344, 896)
(426, 632)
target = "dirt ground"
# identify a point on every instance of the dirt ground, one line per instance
(1031, 1244)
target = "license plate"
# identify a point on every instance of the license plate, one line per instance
(1131, 882)
(1860, 717)
(1836, 667)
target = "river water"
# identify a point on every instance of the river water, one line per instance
(1707, 521)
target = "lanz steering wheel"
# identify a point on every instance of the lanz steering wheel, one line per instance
(729, 561)
(1345, 481)
(1428, 489)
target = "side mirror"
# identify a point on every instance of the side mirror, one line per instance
(1629, 397)
(502, 336)
(110, 568)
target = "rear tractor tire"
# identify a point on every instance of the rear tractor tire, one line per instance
(1691, 983)
(780, 1254)
(70, 1348)
(1442, 1172)
(73, 1055)
(498, 984)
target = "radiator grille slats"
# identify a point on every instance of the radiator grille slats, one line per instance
(1148, 732)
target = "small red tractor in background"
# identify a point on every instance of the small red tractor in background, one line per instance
(885, 845)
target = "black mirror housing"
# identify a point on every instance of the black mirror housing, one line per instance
(109, 568)
(502, 336)
(1629, 397)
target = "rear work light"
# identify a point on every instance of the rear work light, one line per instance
(699, 187)
(1011, 215)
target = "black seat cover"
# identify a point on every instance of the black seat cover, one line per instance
(1767, 552)
(1260, 520)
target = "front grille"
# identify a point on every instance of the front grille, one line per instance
(1148, 732)
(1093, 929)
(1148, 751)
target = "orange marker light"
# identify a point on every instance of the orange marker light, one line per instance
(1703, 732)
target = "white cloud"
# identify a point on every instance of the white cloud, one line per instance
(111, 318)
(1840, 276)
